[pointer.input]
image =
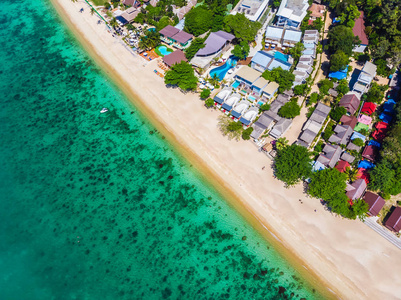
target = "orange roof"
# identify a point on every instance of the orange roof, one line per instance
(316, 10)
(342, 166)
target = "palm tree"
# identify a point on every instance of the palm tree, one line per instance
(92, 11)
(113, 22)
(281, 143)
(352, 174)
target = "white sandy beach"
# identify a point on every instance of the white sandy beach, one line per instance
(350, 258)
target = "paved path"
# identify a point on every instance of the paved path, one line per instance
(371, 222)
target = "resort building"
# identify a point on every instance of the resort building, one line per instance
(291, 13)
(270, 90)
(375, 203)
(291, 37)
(342, 134)
(214, 45)
(356, 189)
(394, 221)
(240, 108)
(128, 15)
(365, 78)
(342, 166)
(268, 60)
(304, 68)
(264, 123)
(174, 58)
(282, 37)
(231, 101)
(280, 128)
(252, 9)
(247, 76)
(175, 37)
(307, 60)
(347, 157)
(317, 11)
(349, 121)
(259, 85)
(350, 102)
(180, 12)
(274, 35)
(331, 155)
(370, 152)
(359, 31)
(222, 96)
(249, 115)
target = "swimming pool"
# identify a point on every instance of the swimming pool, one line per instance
(280, 56)
(221, 71)
(252, 98)
(235, 84)
(163, 50)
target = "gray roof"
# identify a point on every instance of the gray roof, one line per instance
(331, 155)
(307, 136)
(342, 134)
(292, 36)
(318, 116)
(352, 146)
(359, 187)
(347, 157)
(182, 37)
(257, 131)
(169, 31)
(306, 60)
(262, 58)
(283, 98)
(369, 68)
(323, 108)
(280, 128)
(215, 42)
(311, 32)
(274, 33)
(274, 108)
(264, 121)
(302, 143)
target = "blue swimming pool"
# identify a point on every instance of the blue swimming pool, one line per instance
(280, 56)
(221, 71)
(235, 84)
(252, 98)
(163, 50)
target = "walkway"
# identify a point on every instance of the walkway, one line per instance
(371, 222)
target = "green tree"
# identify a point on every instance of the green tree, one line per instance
(342, 38)
(241, 50)
(181, 75)
(290, 110)
(338, 61)
(342, 87)
(241, 27)
(283, 77)
(209, 102)
(325, 85)
(163, 22)
(337, 113)
(230, 128)
(349, 16)
(313, 98)
(246, 134)
(296, 51)
(375, 93)
(352, 174)
(205, 93)
(107, 5)
(150, 40)
(382, 177)
(140, 18)
(218, 18)
(265, 106)
(281, 143)
(198, 20)
(328, 184)
(300, 89)
(196, 44)
(360, 209)
(292, 164)
(358, 142)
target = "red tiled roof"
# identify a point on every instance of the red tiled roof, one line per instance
(368, 108)
(370, 152)
(363, 174)
(359, 29)
(350, 102)
(379, 134)
(394, 221)
(342, 166)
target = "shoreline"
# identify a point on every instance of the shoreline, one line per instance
(256, 211)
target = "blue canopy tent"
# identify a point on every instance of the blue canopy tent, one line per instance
(317, 166)
(388, 106)
(339, 74)
(357, 135)
(385, 118)
(366, 164)
(374, 143)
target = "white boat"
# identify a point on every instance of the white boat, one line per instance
(104, 109)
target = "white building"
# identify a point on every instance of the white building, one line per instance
(292, 12)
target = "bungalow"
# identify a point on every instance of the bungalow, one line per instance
(311, 40)
(307, 60)
(342, 166)
(375, 203)
(129, 15)
(304, 68)
(350, 102)
(356, 189)
(342, 135)
(365, 78)
(331, 155)
(249, 115)
(270, 90)
(259, 127)
(320, 113)
(352, 146)
(309, 52)
(370, 152)
(174, 58)
(231, 101)
(317, 11)
(252, 9)
(306, 138)
(312, 126)
(221, 96)
(240, 108)
(291, 13)
(274, 35)
(179, 38)
(280, 128)
(349, 121)
(247, 76)
(359, 31)
(215, 42)
(291, 37)
(302, 75)
(394, 221)
(259, 85)
(167, 33)
(261, 60)
(347, 157)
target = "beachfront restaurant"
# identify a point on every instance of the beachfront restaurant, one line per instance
(222, 96)
(247, 76)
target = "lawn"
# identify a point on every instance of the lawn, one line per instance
(98, 2)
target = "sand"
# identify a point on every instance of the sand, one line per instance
(345, 256)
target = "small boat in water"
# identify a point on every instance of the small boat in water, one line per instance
(104, 109)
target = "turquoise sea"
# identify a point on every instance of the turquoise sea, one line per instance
(99, 206)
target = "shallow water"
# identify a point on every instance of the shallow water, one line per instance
(99, 206)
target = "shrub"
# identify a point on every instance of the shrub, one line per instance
(205, 93)
(246, 134)
(265, 107)
(358, 142)
(209, 102)
(337, 113)
(290, 110)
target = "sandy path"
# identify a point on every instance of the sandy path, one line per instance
(358, 263)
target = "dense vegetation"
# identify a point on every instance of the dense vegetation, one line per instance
(290, 110)
(181, 75)
(282, 77)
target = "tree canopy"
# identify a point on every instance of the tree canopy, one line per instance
(342, 38)
(282, 77)
(338, 61)
(296, 51)
(375, 93)
(194, 47)
(241, 27)
(198, 20)
(293, 163)
(241, 50)
(290, 110)
(337, 113)
(150, 40)
(325, 85)
(182, 75)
